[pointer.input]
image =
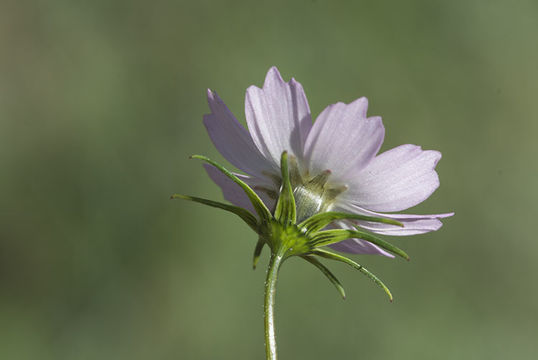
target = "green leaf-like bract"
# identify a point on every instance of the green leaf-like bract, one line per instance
(332, 256)
(242, 213)
(327, 273)
(329, 237)
(285, 211)
(319, 221)
(259, 206)
(257, 252)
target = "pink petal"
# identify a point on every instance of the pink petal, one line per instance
(235, 194)
(357, 246)
(395, 180)
(343, 139)
(278, 116)
(231, 139)
(413, 224)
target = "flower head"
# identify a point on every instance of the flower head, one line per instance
(305, 186)
(336, 168)
(309, 185)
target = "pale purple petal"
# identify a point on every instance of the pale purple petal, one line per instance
(395, 180)
(413, 224)
(343, 139)
(231, 139)
(357, 246)
(235, 194)
(278, 117)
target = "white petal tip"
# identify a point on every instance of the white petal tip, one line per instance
(273, 77)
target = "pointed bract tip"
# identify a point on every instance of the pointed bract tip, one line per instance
(255, 262)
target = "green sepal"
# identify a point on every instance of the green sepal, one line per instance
(257, 252)
(319, 221)
(245, 215)
(332, 256)
(285, 211)
(329, 237)
(258, 204)
(327, 273)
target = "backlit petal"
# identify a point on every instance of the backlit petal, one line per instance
(395, 180)
(231, 139)
(357, 246)
(278, 117)
(413, 224)
(343, 139)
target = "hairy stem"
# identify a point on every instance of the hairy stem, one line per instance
(269, 304)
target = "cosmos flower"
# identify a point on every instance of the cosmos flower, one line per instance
(305, 186)
(334, 163)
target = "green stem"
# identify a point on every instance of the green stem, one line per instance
(269, 304)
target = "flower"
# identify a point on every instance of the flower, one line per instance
(334, 162)
(306, 186)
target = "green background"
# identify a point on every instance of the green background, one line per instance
(101, 103)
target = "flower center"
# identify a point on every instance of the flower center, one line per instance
(312, 194)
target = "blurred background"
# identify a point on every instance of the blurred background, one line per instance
(101, 103)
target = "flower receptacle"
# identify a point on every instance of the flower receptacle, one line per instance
(285, 238)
